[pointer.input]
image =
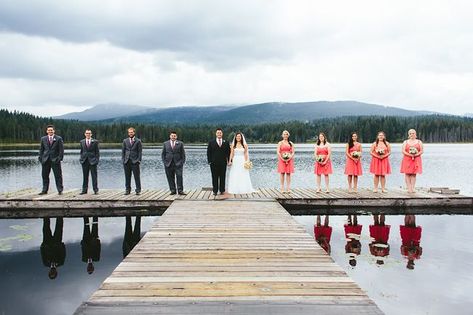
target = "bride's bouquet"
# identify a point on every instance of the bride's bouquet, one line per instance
(248, 165)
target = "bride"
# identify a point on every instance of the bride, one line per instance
(239, 181)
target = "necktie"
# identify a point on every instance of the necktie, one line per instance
(219, 142)
(50, 140)
(88, 143)
(131, 141)
(172, 144)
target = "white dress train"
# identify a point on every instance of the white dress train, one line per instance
(239, 181)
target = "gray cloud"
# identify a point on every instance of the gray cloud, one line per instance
(164, 53)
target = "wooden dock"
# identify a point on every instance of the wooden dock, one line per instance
(229, 257)
(301, 201)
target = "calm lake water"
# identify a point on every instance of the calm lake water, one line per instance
(442, 280)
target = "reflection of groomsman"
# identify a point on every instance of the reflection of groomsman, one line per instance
(132, 236)
(90, 243)
(131, 158)
(174, 157)
(53, 250)
(51, 153)
(89, 158)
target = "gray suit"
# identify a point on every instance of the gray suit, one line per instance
(173, 160)
(131, 158)
(50, 156)
(89, 158)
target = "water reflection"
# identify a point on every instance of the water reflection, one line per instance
(353, 236)
(90, 244)
(410, 236)
(323, 233)
(53, 249)
(132, 236)
(379, 233)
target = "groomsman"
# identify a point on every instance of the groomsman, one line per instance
(131, 158)
(51, 153)
(174, 157)
(89, 158)
(218, 155)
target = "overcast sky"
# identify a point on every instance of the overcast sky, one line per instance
(63, 56)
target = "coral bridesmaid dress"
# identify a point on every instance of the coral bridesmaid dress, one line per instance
(352, 168)
(380, 167)
(411, 236)
(283, 167)
(409, 165)
(320, 169)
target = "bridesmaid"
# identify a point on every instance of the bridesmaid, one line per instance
(324, 166)
(411, 165)
(380, 166)
(285, 152)
(353, 164)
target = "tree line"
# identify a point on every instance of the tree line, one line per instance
(20, 127)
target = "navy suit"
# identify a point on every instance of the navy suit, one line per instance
(51, 154)
(89, 158)
(131, 159)
(173, 160)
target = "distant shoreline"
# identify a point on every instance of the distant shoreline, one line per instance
(111, 145)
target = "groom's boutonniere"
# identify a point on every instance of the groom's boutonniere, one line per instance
(177, 143)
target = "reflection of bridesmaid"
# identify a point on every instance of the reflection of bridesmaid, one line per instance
(353, 236)
(132, 237)
(90, 243)
(53, 250)
(323, 233)
(379, 232)
(410, 235)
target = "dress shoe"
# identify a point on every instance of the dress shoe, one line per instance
(127, 192)
(172, 193)
(59, 192)
(138, 193)
(43, 193)
(96, 192)
(215, 194)
(82, 193)
(182, 193)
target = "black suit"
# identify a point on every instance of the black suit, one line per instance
(53, 250)
(51, 154)
(217, 157)
(89, 158)
(173, 160)
(90, 243)
(131, 158)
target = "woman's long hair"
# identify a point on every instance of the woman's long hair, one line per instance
(235, 139)
(350, 141)
(325, 138)
(384, 140)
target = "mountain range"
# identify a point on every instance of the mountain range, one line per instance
(246, 114)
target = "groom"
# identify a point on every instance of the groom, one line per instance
(218, 154)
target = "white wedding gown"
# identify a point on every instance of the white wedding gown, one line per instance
(239, 181)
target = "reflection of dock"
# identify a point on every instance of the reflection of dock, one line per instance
(235, 257)
(301, 201)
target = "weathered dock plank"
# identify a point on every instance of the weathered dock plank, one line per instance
(228, 257)
(301, 201)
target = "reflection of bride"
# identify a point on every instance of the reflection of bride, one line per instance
(239, 181)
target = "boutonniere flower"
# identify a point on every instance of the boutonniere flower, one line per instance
(177, 143)
(92, 140)
(54, 139)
